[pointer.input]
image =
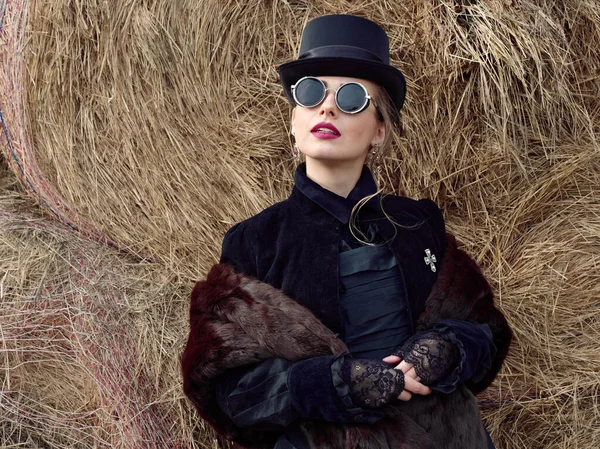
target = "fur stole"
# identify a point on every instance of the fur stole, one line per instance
(237, 320)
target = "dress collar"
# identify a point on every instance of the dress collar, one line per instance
(338, 206)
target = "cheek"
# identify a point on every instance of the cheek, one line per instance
(301, 124)
(365, 130)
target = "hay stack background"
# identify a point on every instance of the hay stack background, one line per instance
(155, 125)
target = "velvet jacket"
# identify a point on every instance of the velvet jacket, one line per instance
(236, 320)
(294, 246)
(276, 247)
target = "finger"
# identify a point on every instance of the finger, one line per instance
(405, 367)
(412, 373)
(392, 359)
(405, 396)
(422, 389)
(415, 387)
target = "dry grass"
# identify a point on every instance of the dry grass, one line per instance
(90, 340)
(155, 125)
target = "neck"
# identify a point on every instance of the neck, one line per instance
(337, 177)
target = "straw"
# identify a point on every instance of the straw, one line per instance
(154, 126)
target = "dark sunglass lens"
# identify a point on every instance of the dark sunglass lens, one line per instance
(309, 92)
(351, 97)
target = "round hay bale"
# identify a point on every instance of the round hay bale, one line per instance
(90, 340)
(156, 125)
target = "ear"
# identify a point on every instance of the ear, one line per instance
(293, 118)
(379, 136)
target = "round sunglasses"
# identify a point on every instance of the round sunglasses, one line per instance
(350, 98)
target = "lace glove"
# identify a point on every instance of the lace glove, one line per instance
(372, 383)
(432, 354)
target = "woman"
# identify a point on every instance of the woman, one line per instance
(341, 317)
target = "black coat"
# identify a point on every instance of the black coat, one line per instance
(294, 246)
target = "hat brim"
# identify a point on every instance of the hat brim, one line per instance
(389, 77)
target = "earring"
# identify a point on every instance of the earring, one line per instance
(295, 148)
(376, 159)
(296, 153)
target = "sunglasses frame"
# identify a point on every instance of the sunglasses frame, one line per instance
(365, 105)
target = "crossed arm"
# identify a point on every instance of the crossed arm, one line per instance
(276, 392)
(317, 388)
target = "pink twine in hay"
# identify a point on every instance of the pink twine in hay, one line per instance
(88, 316)
(18, 148)
(112, 371)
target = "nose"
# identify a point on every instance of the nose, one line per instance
(328, 107)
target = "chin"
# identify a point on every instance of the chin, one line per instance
(332, 151)
(333, 158)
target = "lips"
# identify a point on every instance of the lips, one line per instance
(325, 130)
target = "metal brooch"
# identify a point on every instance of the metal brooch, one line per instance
(430, 260)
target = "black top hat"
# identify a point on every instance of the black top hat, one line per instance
(343, 45)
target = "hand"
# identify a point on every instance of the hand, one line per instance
(412, 382)
(428, 357)
(372, 383)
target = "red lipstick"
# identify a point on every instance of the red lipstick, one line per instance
(325, 130)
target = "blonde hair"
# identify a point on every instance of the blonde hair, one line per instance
(388, 114)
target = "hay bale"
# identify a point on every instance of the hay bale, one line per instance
(159, 124)
(90, 340)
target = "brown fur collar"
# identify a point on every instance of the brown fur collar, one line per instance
(236, 320)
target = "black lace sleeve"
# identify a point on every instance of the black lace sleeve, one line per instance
(432, 354)
(372, 383)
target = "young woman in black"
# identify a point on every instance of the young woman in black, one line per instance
(409, 321)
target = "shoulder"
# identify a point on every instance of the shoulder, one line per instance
(242, 239)
(239, 247)
(258, 224)
(433, 213)
(418, 211)
(423, 209)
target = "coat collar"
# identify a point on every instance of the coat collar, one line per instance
(338, 206)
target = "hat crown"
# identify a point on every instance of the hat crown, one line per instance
(344, 34)
(344, 45)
